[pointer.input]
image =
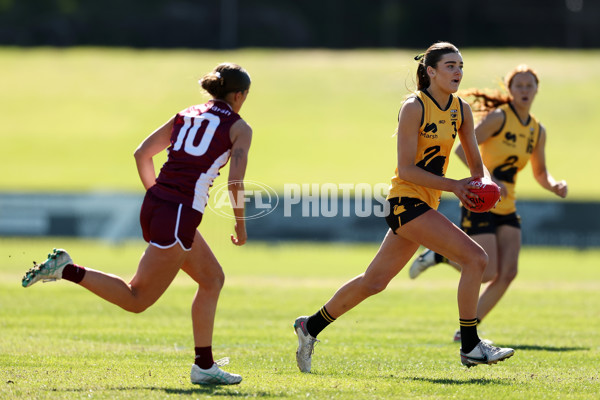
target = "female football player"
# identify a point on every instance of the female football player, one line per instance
(200, 140)
(508, 136)
(429, 121)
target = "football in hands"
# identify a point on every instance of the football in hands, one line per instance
(488, 194)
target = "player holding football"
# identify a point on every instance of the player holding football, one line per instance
(199, 141)
(428, 123)
(508, 136)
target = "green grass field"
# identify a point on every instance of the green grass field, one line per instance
(61, 342)
(71, 120)
(318, 116)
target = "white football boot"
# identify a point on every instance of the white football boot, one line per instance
(214, 375)
(306, 345)
(49, 270)
(424, 261)
(484, 353)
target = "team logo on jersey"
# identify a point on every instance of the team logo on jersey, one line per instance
(510, 139)
(430, 127)
(398, 209)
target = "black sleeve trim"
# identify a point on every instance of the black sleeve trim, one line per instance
(501, 126)
(423, 109)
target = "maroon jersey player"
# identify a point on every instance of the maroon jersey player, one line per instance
(200, 146)
(199, 140)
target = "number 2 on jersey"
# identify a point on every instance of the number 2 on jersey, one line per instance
(191, 127)
(432, 162)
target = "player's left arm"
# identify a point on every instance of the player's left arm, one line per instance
(540, 172)
(468, 142)
(158, 140)
(241, 137)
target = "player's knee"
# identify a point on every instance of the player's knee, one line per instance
(219, 280)
(211, 286)
(508, 275)
(216, 282)
(371, 288)
(476, 261)
(490, 274)
(488, 277)
(137, 307)
(481, 259)
(140, 304)
(139, 310)
(214, 278)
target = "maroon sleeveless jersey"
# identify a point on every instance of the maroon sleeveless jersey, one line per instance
(200, 146)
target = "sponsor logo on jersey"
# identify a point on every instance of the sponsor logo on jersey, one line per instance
(220, 110)
(430, 127)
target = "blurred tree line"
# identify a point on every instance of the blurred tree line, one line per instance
(222, 24)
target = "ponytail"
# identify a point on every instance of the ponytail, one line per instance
(430, 58)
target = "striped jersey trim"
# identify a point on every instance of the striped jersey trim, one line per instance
(206, 180)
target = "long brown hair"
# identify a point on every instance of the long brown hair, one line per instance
(224, 79)
(430, 58)
(485, 101)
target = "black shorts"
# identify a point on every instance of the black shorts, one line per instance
(477, 223)
(403, 210)
(164, 223)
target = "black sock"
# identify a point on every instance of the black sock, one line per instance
(439, 258)
(319, 321)
(73, 273)
(204, 357)
(468, 334)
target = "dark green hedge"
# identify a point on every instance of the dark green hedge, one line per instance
(299, 23)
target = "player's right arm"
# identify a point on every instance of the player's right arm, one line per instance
(158, 140)
(489, 125)
(241, 138)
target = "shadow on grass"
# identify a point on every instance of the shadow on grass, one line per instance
(207, 390)
(217, 390)
(473, 381)
(544, 348)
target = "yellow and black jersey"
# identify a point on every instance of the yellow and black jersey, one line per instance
(507, 152)
(438, 130)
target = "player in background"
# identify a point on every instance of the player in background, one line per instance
(199, 141)
(508, 136)
(428, 124)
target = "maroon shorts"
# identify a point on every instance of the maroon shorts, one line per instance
(165, 223)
